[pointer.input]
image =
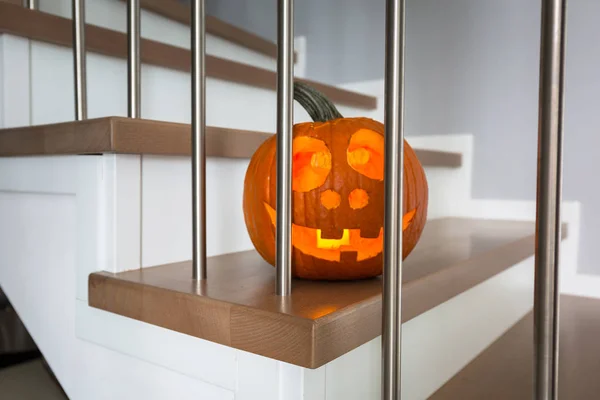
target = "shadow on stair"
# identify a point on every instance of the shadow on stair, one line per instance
(24, 373)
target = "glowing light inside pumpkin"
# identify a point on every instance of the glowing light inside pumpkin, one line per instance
(360, 156)
(330, 199)
(365, 153)
(311, 163)
(358, 198)
(322, 311)
(333, 243)
(309, 240)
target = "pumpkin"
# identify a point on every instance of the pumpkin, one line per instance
(338, 194)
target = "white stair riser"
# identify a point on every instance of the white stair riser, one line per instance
(165, 93)
(112, 14)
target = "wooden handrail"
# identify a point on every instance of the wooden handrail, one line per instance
(44, 27)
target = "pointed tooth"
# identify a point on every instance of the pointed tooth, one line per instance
(370, 232)
(332, 233)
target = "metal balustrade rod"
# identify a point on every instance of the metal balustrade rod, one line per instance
(31, 4)
(394, 170)
(79, 59)
(198, 140)
(285, 117)
(133, 59)
(549, 194)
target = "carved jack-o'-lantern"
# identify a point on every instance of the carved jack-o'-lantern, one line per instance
(338, 190)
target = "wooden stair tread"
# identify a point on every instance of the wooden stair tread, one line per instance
(321, 321)
(140, 136)
(35, 25)
(505, 369)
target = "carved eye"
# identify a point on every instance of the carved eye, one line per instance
(365, 153)
(311, 163)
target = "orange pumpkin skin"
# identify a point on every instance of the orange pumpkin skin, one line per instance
(339, 205)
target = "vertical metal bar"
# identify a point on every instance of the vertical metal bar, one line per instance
(549, 195)
(133, 59)
(198, 140)
(394, 171)
(31, 4)
(285, 117)
(79, 59)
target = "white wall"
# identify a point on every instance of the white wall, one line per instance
(473, 66)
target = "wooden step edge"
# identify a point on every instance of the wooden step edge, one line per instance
(177, 11)
(35, 25)
(504, 370)
(141, 136)
(237, 306)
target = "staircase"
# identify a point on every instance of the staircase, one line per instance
(95, 234)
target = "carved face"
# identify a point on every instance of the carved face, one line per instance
(337, 183)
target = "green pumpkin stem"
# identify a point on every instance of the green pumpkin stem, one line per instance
(319, 107)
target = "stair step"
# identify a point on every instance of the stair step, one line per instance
(237, 306)
(35, 25)
(504, 370)
(180, 12)
(140, 136)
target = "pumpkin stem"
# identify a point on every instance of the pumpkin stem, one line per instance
(319, 107)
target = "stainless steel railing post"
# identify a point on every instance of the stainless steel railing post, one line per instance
(31, 4)
(198, 32)
(79, 59)
(285, 117)
(549, 194)
(394, 170)
(133, 59)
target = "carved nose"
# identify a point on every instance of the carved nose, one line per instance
(330, 199)
(358, 199)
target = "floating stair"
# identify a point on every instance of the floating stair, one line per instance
(238, 307)
(139, 136)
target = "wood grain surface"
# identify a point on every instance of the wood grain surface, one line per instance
(505, 369)
(320, 321)
(140, 136)
(124, 135)
(17, 20)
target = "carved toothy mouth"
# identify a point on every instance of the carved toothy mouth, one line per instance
(310, 241)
